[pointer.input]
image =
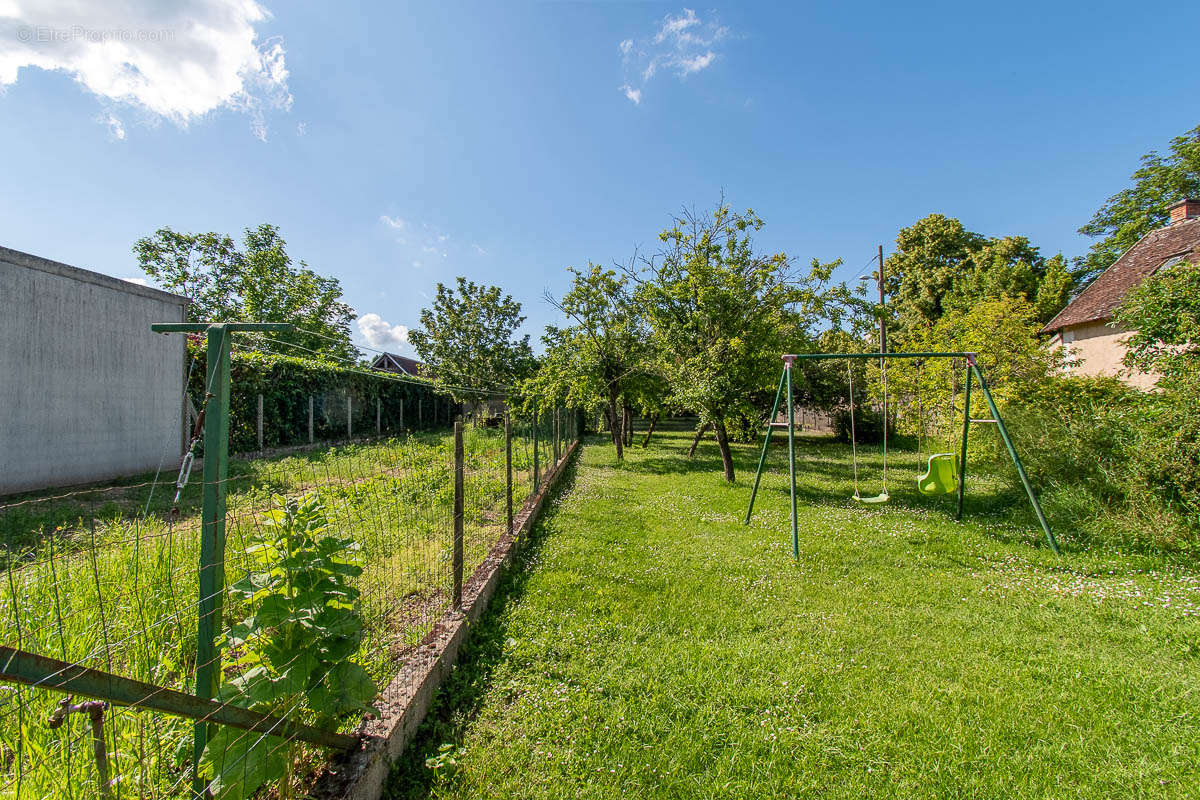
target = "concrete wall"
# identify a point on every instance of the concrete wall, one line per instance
(87, 392)
(1096, 349)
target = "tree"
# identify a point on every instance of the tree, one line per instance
(1133, 212)
(256, 283)
(467, 340)
(717, 312)
(1164, 314)
(604, 351)
(931, 256)
(940, 266)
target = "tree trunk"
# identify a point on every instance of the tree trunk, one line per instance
(650, 430)
(618, 432)
(699, 435)
(627, 421)
(723, 443)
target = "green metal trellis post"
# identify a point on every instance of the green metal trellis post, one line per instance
(212, 520)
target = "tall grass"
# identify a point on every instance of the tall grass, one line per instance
(107, 578)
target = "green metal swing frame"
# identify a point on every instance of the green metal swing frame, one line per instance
(972, 371)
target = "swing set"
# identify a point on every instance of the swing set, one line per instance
(944, 473)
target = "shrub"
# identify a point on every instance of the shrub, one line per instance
(868, 425)
(1113, 458)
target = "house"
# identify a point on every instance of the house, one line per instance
(401, 365)
(1084, 327)
(89, 392)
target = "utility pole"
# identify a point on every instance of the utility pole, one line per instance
(882, 307)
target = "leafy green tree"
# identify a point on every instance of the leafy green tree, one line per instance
(467, 340)
(1164, 314)
(940, 266)
(603, 352)
(1004, 333)
(1133, 212)
(1055, 288)
(931, 256)
(718, 313)
(256, 283)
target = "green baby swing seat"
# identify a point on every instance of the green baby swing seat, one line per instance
(941, 476)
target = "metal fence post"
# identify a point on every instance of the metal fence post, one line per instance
(458, 513)
(557, 435)
(310, 419)
(508, 471)
(536, 475)
(211, 577)
(349, 417)
(259, 427)
(212, 536)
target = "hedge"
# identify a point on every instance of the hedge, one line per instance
(287, 383)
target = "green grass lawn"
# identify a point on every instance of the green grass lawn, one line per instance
(650, 645)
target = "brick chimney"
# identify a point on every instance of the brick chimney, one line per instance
(1183, 210)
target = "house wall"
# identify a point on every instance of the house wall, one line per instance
(1097, 349)
(88, 392)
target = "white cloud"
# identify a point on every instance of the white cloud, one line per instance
(301, 128)
(177, 61)
(393, 222)
(116, 128)
(696, 63)
(675, 27)
(479, 250)
(380, 334)
(683, 44)
(138, 281)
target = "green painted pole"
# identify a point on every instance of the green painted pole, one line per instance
(962, 460)
(212, 534)
(1012, 451)
(762, 459)
(212, 515)
(787, 371)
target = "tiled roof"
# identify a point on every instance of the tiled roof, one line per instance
(390, 362)
(1103, 295)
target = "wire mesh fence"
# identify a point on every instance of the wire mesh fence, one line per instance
(329, 565)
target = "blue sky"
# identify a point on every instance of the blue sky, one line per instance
(401, 145)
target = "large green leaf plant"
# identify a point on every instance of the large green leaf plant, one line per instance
(293, 651)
